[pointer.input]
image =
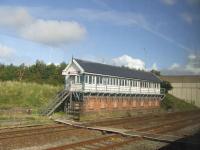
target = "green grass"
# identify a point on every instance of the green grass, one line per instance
(173, 103)
(23, 119)
(25, 95)
(17, 97)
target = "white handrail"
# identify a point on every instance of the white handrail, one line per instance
(114, 89)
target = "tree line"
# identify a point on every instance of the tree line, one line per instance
(43, 73)
(38, 72)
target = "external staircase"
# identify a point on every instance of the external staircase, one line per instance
(58, 100)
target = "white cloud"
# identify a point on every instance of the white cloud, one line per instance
(154, 66)
(187, 17)
(16, 17)
(129, 61)
(192, 56)
(174, 66)
(193, 64)
(5, 51)
(50, 32)
(192, 67)
(53, 32)
(169, 2)
(29, 27)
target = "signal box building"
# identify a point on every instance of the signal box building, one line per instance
(95, 87)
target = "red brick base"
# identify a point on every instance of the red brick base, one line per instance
(99, 103)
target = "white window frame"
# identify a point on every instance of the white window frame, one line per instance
(89, 79)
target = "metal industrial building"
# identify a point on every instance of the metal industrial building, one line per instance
(185, 87)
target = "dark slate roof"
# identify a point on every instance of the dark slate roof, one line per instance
(104, 69)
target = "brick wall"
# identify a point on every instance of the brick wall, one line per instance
(108, 103)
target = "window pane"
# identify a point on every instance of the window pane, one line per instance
(86, 79)
(72, 79)
(104, 81)
(100, 80)
(77, 79)
(97, 79)
(90, 79)
(93, 79)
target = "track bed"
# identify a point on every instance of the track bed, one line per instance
(61, 136)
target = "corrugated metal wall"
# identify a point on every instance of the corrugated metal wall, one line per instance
(189, 92)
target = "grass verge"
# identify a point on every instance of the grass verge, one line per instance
(21, 101)
(25, 95)
(173, 103)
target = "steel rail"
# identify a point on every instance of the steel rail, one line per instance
(68, 131)
(181, 124)
(27, 129)
(126, 120)
(173, 122)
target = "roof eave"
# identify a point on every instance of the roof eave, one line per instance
(78, 65)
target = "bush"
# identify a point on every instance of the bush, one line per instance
(166, 85)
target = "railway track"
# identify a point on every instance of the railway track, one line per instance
(102, 143)
(69, 130)
(162, 124)
(116, 140)
(29, 128)
(170, 124)
(21, 127)
(124, 121)
(26, 131)
(39, 135)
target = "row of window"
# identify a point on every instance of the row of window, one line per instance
(99, 80)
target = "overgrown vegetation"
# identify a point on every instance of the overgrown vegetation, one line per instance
(38, 72)
(20, 102)
(19, 119)
(25, 95)
(175, 104)
(166, 85)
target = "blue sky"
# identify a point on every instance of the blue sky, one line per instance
(142, 34)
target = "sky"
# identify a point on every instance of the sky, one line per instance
(141, 34)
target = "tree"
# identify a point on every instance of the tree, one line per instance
(21, 71)
(38, 72)
(166, 85)
(156, 72)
